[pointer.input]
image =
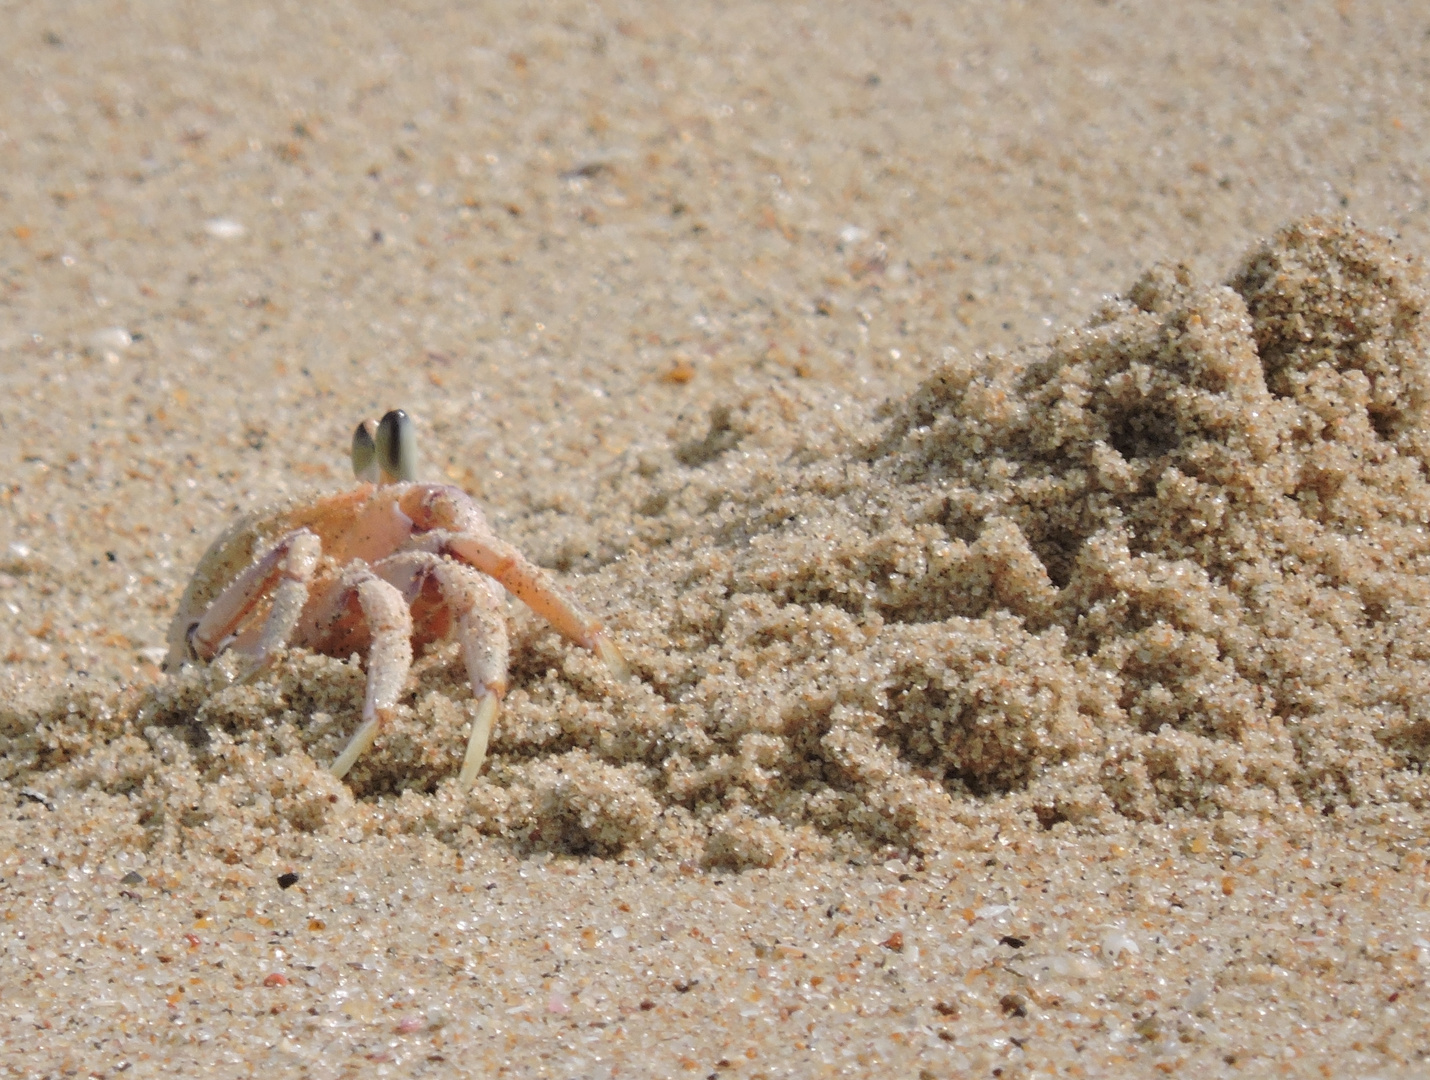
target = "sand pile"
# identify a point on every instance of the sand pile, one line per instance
(1174, 561)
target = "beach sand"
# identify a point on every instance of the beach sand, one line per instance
(996, 438)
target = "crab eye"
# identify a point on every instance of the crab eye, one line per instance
(397, 447)
(365, 452)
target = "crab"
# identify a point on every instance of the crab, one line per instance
(381, 568)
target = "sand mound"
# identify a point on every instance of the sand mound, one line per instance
(1173, 562)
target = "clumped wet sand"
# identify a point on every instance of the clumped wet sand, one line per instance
(1010, 698)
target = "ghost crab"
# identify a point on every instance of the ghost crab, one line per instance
(386, 565)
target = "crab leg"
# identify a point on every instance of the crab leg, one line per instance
(388, 658)
(482, 630)
(533, 587)
(292, 560)
(474, 602)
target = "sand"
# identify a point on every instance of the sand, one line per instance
(996, 439)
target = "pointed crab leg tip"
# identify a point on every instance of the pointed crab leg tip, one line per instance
(364, 738)
(606, 649)
(477, 742)
(342, 765)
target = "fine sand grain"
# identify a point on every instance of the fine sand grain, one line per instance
(998, 454)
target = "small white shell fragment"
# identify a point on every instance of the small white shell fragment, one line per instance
(110, 342)
(992, 911)
(1076, 966)
(224, 228)
(1056, 965)
(1118, 941)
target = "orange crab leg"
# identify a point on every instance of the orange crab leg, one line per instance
(460, 530)
(533, 587)
(292, 560)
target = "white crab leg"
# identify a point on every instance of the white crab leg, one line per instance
(482, 630)
(389, 658)
(533, 586)
(482, 723)
(474, 602)
(292, 560)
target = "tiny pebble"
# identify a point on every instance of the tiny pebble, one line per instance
(1117, 942)
(112, 339)
(224, 228)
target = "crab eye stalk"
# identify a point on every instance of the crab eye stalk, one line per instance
(365, 452)
(396, 443)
